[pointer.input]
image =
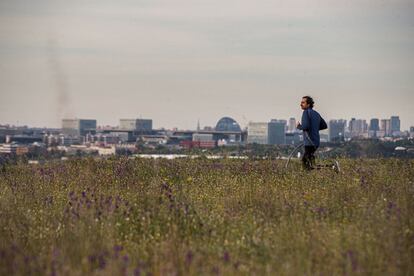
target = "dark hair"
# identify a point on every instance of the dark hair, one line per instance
(309, 100)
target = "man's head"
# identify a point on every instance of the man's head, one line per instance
(307, 102)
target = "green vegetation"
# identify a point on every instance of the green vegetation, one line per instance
(356, 148)
(198, 216)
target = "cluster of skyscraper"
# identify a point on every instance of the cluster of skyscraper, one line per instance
(280, 132)
(339, 130)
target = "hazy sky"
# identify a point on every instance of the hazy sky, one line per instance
(177, 61)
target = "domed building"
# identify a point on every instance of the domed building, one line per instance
(227, 124)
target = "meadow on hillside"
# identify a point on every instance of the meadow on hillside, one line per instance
(196, 216)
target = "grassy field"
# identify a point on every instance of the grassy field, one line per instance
(179, 217)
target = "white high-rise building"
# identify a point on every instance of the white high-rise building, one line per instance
(292, 125)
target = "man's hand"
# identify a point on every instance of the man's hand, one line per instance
(298, 125)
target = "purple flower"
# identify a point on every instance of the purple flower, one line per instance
(226, 257)
(91, 259)
(137, 271)
(189, 258)
(353, 259)
(125, 259)
(117, 250)
(102, 262)
(2, 254)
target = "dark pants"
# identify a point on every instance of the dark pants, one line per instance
(308, 159)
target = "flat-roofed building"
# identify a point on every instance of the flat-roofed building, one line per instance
(277, 132)
(202, 137)
(135, 124)
(78, 127)
(337, 130)
(374, 124)
(9, 148)
(272, 133)
(293, 138)
(258, 133)
(395, 124)
(386, 127)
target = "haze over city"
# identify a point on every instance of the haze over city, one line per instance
(178, 62)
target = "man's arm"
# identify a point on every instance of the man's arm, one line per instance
(305, 121)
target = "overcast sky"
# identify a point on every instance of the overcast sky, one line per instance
(177, 61)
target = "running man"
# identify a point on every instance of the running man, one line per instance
(310, 124)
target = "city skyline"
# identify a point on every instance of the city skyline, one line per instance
(178, 62)
(362, 124)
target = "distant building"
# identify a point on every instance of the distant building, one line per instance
(109, 150)
(198, 144)
(272, 133)
(13, 149)
(293, 138)
(124, 137)
(6, 130)
(208, 128)
(227, 124)
(78, 127)
(337, 130)
(395, 125)
(153, 139)
(69, 140)
(8, 148)
(135, 124)
(202, 137)
(258, 133)
(51, 140)
(385, 127)
(106, 139)
(23, 139)
(373, 128)
(374, 125)
(292, 125)
(277, 132)
(357, 127)
(412, 131)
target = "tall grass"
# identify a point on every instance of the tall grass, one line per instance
(169, 217)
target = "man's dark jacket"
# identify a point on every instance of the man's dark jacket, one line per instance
(311, 123)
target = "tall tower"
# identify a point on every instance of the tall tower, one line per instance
(292, 125)
(395, 124)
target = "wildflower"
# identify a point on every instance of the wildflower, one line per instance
(101, 262)
(226, 257)
(354, 262)
(189, 258)
(137, 271)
